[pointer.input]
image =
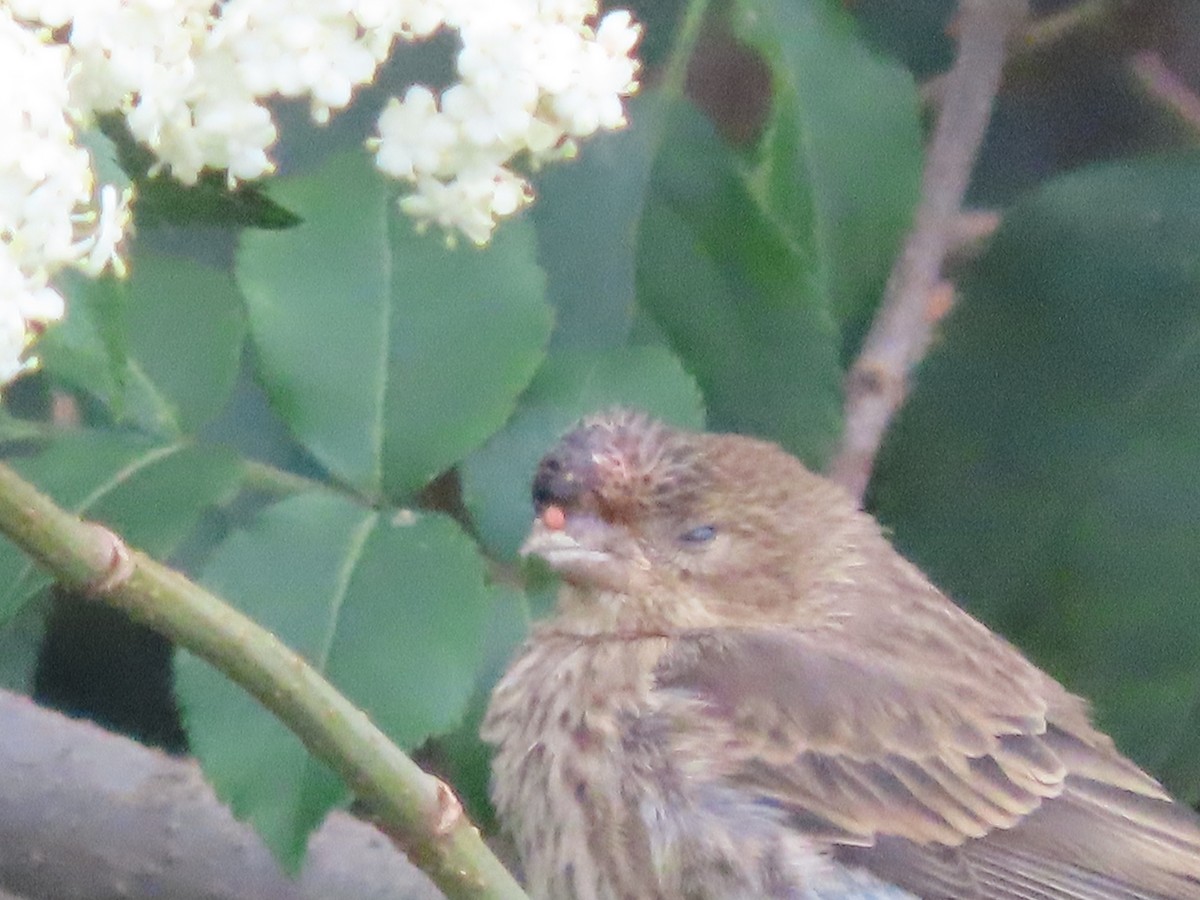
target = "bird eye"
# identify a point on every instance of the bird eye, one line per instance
(699, 535)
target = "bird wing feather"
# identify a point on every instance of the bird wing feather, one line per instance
(972, 788)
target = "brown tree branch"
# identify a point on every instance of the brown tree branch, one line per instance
(878, 381)
(86, 813)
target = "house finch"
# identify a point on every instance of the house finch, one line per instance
(747, 692)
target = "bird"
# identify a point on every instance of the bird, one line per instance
(745, 691)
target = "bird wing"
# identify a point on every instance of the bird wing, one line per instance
(968, 788)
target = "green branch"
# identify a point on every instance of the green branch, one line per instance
(417, 810)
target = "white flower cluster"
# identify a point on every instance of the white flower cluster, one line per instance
(192, 78)
(535, 76)
(52, 214)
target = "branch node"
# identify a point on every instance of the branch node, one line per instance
(871, 378)
(118, 562)
(449, 811)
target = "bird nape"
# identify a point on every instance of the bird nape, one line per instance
(746, 691)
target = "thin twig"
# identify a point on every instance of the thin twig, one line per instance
(877, 382)
(969, 234)
(1043, 36)
(1046, 32)
(1166, 88)
(415, 809)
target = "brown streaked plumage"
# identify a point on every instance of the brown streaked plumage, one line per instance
(747, 692)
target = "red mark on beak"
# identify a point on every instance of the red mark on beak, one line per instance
(554, 518)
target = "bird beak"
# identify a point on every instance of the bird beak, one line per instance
(554, 544)
(541, 540)
(574, 549)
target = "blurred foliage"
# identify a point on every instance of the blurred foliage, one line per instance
(336, 429)
(1045, 470)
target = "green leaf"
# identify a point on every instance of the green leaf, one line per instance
(390, 355)
(587, 214)
(164, 201)
(156, 499)
(76, 471)
(839, 166)
(743, 309)
(106, 162)
(390, 608)
(13, 428)
(467, 759)
(186, 332)
(1044, 470)
(88, 349)
(919, 33)
(569, 385)
(162, 351)
(149, 493)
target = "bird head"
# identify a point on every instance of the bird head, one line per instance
(680, 524)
